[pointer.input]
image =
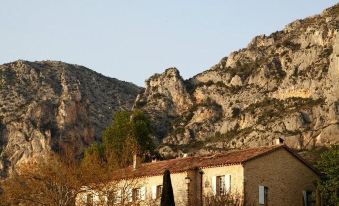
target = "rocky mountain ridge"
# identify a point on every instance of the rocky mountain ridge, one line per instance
(282, 85)
(48, 105)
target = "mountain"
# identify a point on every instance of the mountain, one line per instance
(285, 85)
(48, 105)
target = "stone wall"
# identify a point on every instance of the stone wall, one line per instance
(284, 176)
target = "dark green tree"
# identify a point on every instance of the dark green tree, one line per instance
(129, 133)
(328, 185)
(167, 197)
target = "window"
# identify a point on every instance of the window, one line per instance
(159, 191)
(263, 193)
(156, 191)
(136, 194)
(110, 197)
(89, 200)
(221, 185)
(129, 195)
(307, 198)
(114, 197)
(139, 194)
(102, 198)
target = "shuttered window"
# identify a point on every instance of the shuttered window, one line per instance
(214, 185)
(117, 197)
(129, 195)
(89, 201)
(263, 192)
(227, 183)
(221, 184)
(156, 191)
(136, 194)
(159, 191)
(307, 198)
(143, 193)
(139, 194)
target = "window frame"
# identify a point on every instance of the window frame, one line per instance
(89, 199)
(220, 185)
(158, 192)
(136, 194)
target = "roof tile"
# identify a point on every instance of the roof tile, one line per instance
(188, 163)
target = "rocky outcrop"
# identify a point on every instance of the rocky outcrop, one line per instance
(165, 92)
(45, 106)
(282, 85)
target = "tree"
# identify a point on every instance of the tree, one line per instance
(328, 185)
(167, 197)
(128, 134)
(45, 181)
(222, 200)
(93, 157)
(60, 181)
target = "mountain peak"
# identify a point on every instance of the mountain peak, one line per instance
(48, 105)
(284, 84)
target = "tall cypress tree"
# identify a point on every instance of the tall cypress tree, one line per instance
(167, 197)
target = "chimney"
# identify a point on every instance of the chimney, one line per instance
(279, 141)
(136, 162)
(154, 160)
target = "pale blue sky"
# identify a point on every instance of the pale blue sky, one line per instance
(131, 40)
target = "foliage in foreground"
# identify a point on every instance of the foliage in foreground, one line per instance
(58, 179)
(222, 200)
(54, 180)
(328, 185)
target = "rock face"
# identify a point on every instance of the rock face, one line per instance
(282, 85)
(45, 106)
(166, 97)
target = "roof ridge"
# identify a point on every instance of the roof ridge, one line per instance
(228, 152)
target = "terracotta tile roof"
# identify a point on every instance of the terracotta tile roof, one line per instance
(187, 163)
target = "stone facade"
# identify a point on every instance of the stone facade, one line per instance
(284, 175)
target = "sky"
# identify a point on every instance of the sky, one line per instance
(132, 39)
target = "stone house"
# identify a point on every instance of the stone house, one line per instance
(273, 175)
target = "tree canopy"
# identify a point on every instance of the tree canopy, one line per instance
(129, 133)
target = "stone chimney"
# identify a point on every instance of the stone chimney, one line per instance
(154, 160)
(136, 161)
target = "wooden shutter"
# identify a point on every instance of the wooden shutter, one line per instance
(143, 193)
(117, 197)
(305, 197)
(261, 195)
(154, 192)
(129, 195)
(89, 199)
(227, 183)
(96, 198)
(214, 185)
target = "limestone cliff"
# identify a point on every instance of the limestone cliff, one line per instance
(47, 105)
(282, 85)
